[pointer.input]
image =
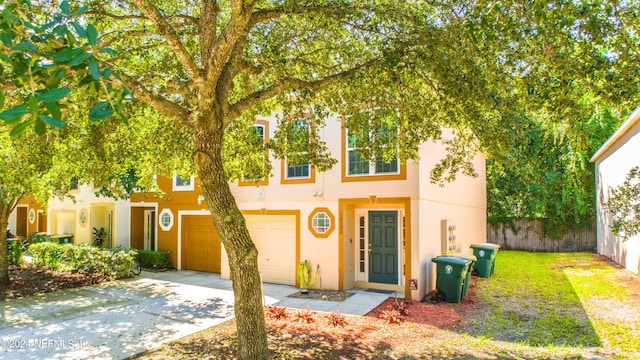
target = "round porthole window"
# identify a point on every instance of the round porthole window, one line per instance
(448, 269)
(321, 222)
(83, 217)
(166, 219)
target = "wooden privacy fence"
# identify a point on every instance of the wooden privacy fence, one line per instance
(528, 235)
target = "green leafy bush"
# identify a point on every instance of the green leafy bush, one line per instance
(83, 257)
(47, 254)
(16, 250)
(149, 259)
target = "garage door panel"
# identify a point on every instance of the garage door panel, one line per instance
(200, 244)
(275, 239)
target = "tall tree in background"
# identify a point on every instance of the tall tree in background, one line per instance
(210, 66)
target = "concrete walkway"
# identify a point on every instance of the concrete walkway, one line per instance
(118, 319)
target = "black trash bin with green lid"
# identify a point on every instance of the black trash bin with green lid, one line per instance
(486, 254)
(451, 275)
(467, 280)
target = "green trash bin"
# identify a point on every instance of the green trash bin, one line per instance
(63, 238)
(452, 272)
(486, 254)
(467, 280)
(39, 237)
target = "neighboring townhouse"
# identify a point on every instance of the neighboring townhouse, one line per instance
(613, 161)
(362, 224)
(27, 218)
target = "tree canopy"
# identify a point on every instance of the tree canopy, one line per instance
(486, 69)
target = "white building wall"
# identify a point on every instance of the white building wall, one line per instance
(461, 203)
(613, 163)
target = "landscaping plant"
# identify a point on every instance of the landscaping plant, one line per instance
(305, 316)
(276, 312)
(392, 316)
(336, 318)
(306, 277)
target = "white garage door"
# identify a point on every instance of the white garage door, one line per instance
(275, 238)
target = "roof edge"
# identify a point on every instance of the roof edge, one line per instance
(623, 129)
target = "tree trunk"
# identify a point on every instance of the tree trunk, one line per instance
(242, 253)
(4, 262)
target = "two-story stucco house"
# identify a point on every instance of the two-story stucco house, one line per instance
(361, 224)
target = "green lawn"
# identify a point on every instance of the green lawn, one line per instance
(559, 300)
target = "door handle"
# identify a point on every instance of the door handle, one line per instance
(370, 248)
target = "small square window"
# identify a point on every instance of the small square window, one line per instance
(183, 183)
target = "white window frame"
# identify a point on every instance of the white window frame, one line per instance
(188, 187)
(326, 222)
(372, 164)
(161, 217)
(264, 140)
(307, 164)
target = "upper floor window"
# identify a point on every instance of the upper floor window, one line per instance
(380, 138)
(74, 184)
(357, 165)
(296, 166)
(254, 166)
(183, 183)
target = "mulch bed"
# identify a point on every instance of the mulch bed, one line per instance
(326, 295)
(29, 280)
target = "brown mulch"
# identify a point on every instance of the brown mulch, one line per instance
(360, 337)
(29, 280)
(326, 295)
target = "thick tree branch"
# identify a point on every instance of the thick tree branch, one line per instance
(168, 32)
(167, 107)
(186, 18)
(207, 28)
(289, 84)
(226, 42)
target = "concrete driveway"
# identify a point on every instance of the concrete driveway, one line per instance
(122, 318)
(107, 321)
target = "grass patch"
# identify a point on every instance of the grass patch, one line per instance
(610, 304)
(533, 302)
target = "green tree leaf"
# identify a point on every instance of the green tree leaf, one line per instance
(20, 128)
(79, 59)
(100, 111)
(92, 34)
(54, 122)
(14, 113)
(65, 8)
(54, 94)
(94, 68)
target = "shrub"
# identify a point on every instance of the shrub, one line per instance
(122, 262)
(16, 250)
(47, 254)
(304, 316)
(149, 259)
(392, 316)
(276, 312)
(83, 257)
(401, 307)
(336, 319)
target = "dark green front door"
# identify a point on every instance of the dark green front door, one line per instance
(383, 247)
